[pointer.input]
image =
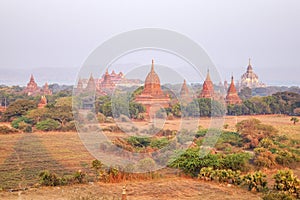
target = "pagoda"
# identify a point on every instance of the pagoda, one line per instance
(208, 88)
(250, 79)
(46, 90)
(232, 96)
(91, 85)
(107, 85)
(32, 87)
(184, 93)
(152, 96)
(43, 102)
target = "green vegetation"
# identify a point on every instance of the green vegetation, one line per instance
(7, 130)
(278, 103)
(48, 125)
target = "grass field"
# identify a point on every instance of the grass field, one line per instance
(23, 156)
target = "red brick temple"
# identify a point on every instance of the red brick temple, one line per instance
(185, 93)
(46, 90)
(152, 96)
(107, 85)
(32, 88)
(232, 96)
(208, 88)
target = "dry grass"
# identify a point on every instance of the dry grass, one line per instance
(22, 156)
(162, 189)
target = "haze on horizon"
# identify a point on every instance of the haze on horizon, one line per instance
(52, 39)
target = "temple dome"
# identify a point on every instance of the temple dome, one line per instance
(152, 77)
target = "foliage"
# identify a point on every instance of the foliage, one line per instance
(6, 130)
(286, 181)
(191, 161)
(264, 158)
(221, 175)
(236, 161)
(278, 103)
(256, 181)
(79, 176)
(18, 108)
(204, 107)
(294, 120)
(15, 123)
(49, 179)
(48, 125)
(253, 131)
(271, 195)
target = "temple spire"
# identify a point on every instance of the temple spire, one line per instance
(249, 61)
(152, 67)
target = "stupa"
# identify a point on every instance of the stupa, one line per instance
(152, 96)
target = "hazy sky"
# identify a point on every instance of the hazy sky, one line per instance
(62, 33)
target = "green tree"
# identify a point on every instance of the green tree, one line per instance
(48, 125)
(18, 108)
(294, 120)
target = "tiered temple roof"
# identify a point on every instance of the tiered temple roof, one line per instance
(208, 88)
(250, 79)
(232, 96)
(152, 93)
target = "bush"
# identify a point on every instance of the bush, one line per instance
(26, 128)
(236, 161)
(79, 176)
(48, 178)
(278, 196)
(286, 181)
(7, 130)
(101, 118)
(256, 181)
(15, 122)
(48, 125)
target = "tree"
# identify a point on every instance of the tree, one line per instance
(47, 125)
(18, 108)
(294, 120)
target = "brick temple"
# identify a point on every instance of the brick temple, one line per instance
(152, 96)
(32, 88)
(232, 95)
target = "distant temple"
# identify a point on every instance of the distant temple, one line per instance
(46, 90)
(104, 85)
(250, 79)
(43, 102)
(32, 88)
(152, 96)
(232, 96)
(185, 94)
(207, 88)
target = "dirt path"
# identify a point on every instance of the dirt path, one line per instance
(161, 189)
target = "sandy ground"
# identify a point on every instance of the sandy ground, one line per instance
(161, 189)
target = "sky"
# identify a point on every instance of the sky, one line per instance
(53, 38)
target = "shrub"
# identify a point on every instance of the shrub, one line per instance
(236, 161)
(256, 181)
(79, 176)
(286, 158)
(7, 130)
(286, 181)
(159, 143)
(101, 118)
(277, 196)
(48, 125)
(48, 178)
(15, 123)
(264, 158)
(27, 128)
